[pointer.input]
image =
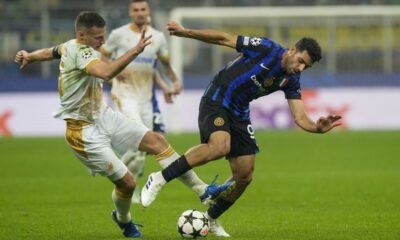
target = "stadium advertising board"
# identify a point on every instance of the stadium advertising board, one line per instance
(30, 114)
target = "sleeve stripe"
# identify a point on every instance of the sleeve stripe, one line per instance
(94, 61)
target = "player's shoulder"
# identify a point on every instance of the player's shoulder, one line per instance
(75, 48)
(258, 41)
(121, 30)
(155, 33)
(69, 46)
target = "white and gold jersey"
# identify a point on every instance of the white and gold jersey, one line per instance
(139, 83)
(80, 93)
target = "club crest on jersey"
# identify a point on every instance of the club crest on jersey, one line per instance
(269, 82)
(219, 121)
(255, 41)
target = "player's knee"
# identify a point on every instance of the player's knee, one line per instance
(128, 186)
(244, 178)
(220, 150)
(153, 143)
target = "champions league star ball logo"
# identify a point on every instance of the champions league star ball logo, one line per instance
(255, 41)
(86, 53)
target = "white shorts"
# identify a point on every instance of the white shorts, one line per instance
(97, 145)
(142, 111)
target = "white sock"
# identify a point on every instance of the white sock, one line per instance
(128, 157)
(136, 165)
(122, 204)
(190, 178)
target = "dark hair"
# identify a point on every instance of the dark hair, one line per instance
(311, 46)
(135, 1)
(88, 20)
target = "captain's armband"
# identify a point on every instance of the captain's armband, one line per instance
(56, 51)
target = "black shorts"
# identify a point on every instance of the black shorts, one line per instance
(214, 117)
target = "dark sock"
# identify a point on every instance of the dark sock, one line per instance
(176, 168)
(219, 208)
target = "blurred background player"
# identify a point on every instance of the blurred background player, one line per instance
(263, 67)
(133, 89)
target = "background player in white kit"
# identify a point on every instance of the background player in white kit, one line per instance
(132, 90)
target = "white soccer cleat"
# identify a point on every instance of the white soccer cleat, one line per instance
(153, 186)
(216, 228)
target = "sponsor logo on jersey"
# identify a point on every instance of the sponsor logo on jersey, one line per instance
(219, 121)
(257, 83)
(263, 66)
(255, 41)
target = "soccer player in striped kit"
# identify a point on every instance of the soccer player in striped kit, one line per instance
(263, 67)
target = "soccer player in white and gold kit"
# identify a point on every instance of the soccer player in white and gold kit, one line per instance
(132, 90)
(95, 133)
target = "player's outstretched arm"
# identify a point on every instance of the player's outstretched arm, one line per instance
(108, 70)
(171, 74)
(24, 58)
(205, 35)
(323, 125)
(168, 93)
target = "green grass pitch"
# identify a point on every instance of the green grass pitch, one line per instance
(341, 185)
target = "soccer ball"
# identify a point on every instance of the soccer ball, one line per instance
(192, 224)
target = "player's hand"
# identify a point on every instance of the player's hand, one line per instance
(143, 42)
(22, 57)
(177, 87)
(168, 97)
(175, 28)
(324, 124)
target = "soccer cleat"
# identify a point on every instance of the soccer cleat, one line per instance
(216, 228)
(153, 186)
(214, 191)
(128, 229)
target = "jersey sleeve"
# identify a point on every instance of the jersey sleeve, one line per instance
(163, 50)
(253, 45)
(112, 42)
(87, 56)
(293, 90)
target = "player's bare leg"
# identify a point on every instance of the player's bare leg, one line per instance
(242, 171)
(134, 161)
(218, 146)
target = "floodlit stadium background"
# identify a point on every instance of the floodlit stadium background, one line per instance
(358, 76)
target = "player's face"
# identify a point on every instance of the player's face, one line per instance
(139, 12)
(297, 61)
(94, 37)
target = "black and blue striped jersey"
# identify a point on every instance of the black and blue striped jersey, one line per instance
(256, 72)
